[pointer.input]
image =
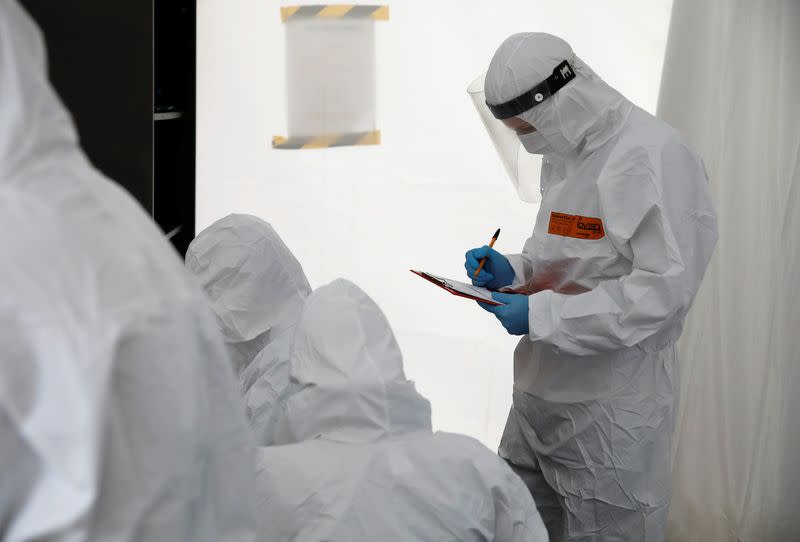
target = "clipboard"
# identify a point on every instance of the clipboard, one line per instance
(460, 289)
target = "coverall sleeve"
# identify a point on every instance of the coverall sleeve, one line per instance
(657, 212)
(521, 265)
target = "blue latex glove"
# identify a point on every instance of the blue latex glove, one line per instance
(513, 315)
(496, 272)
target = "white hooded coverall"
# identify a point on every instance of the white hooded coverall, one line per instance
(256, 288)
(119, 416)
(365, 465)
(622, 239)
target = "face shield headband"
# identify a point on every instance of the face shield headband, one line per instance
(562, 74)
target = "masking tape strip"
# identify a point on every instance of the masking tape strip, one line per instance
(326, 141)
(335, 11)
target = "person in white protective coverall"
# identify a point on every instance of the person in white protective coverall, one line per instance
(256, 288)
(622, 239)
(365, 464)
(119, 415)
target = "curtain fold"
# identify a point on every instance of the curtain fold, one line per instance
(731, 84)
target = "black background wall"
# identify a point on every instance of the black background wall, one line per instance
(174, 140)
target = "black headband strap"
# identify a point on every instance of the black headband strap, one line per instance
(562, 74)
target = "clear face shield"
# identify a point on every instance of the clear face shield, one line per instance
(524, 169)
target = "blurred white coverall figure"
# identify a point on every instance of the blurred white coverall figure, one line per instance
(366, 465)
(119, 415)
(256, 288)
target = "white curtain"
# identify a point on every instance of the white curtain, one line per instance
(731, 84)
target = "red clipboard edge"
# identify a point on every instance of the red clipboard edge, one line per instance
(453, 292)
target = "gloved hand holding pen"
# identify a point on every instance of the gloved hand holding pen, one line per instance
(487, 267)
(497, 271)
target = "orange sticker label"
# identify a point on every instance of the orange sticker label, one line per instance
(579, 227)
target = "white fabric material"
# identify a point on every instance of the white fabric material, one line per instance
(737, 465)
(119, 418)
(365, 465)
(265, 387)
(256, 288)
(536, 143)
(596, 379)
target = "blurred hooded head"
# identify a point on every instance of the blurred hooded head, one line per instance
(35, 129)
(347, 372)
(255, 285)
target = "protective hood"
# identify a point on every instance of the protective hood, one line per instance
(34, 128)
(254, 283)
(347, 372)
(579, 117)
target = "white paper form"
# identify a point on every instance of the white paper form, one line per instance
(464, 288)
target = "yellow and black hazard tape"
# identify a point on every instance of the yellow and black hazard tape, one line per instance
(325, 141)
(335, 11)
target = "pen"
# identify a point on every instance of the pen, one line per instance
(483, 260)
